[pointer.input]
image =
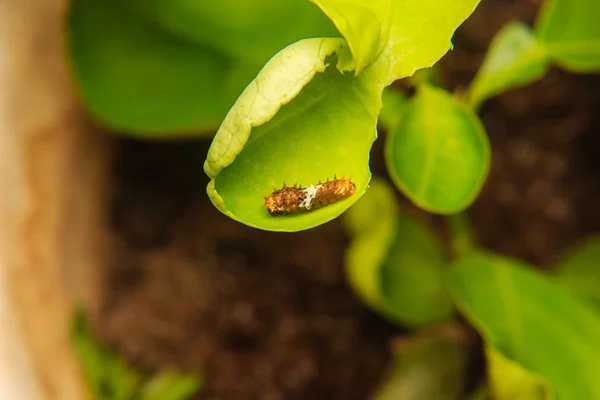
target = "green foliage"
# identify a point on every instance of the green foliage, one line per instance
(323, 116)
(570, 32)
(514, 59)
(567, 33)
(143, 81)
(580, 271)
(394, 263)
(531, 320)
(439, 155)
(110, 378)
(173, 68)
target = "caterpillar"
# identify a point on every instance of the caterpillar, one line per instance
(294, 199)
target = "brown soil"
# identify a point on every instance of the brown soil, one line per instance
(269, 315)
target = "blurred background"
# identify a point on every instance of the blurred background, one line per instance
(168, 282)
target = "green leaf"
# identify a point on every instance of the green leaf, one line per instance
(278, 135)
(428, 365)
(514, 59)
(394, 263)
(580, 271)
(171, 386)
(439, 156)
(253, 31)
(510, 381)
(570, 31)
(531, 320)
(143, 81)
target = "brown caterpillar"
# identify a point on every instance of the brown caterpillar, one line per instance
(293, 199)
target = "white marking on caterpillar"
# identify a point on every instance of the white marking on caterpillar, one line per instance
(310, 193)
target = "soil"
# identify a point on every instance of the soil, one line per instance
(267, 315)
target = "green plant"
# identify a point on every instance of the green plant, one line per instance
(310, 111)
(110, 378)
(538, 330)
(173, 68)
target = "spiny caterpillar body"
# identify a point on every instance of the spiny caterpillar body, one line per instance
(294, 199)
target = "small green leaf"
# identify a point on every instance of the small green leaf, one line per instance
(510, 381)
(514, 59)
(532, 320)
(580, 271)
(171, 386)
(439, 156)
(570, 32)
(428, 366)
(394, 263)
(143, 81)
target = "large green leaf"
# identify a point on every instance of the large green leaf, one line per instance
(141, 80)
(532, 320)
(324, 131)
(570, 32)
(514, 59)
(580, 271)
(253, 31)
(439, 155)
(395, 263)
(302, 121)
